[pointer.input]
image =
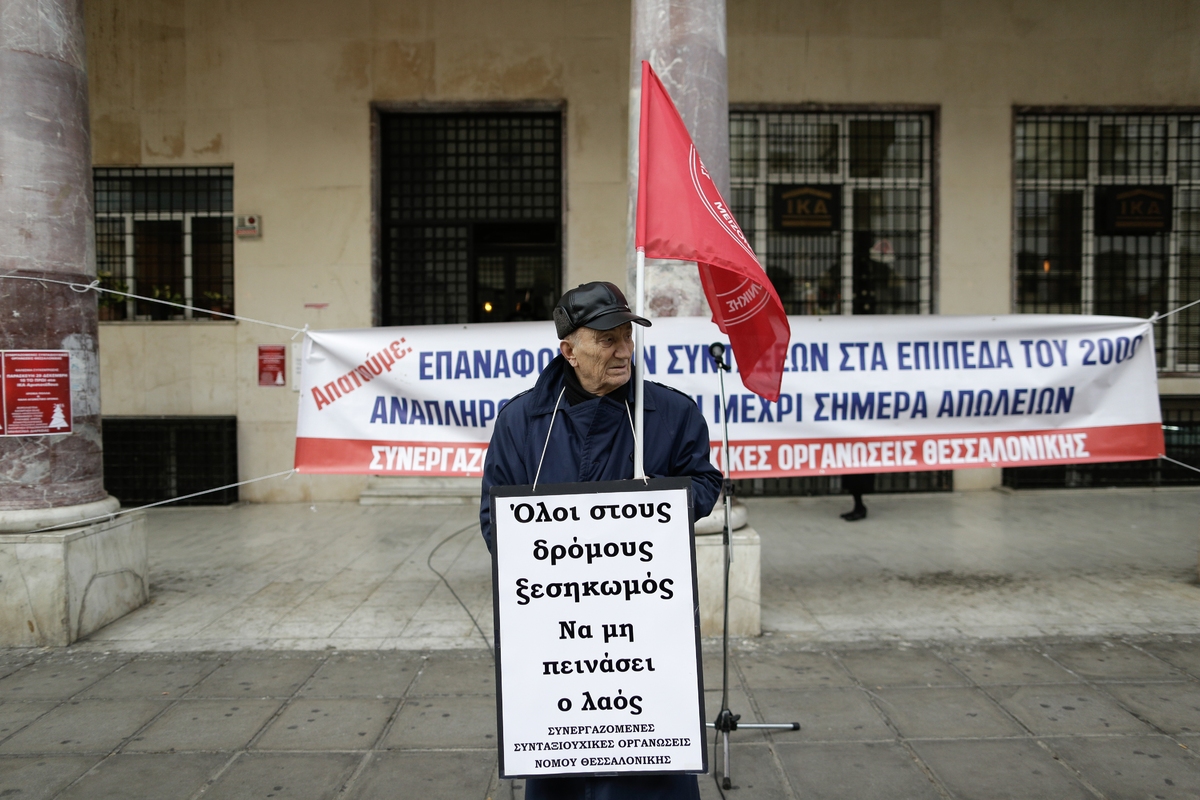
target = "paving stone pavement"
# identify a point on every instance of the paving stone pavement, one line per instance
(921, 567)
(977, 645)
(1028, 719)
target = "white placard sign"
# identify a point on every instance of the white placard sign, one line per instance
(597, 633)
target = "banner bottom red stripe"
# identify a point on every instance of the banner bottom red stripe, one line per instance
(775, 458)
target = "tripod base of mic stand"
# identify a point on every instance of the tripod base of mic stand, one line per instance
(727, 722)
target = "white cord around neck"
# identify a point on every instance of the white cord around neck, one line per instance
(550, 430)
(629, 416)
(553, 415)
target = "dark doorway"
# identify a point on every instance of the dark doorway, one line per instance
(158, 265)
(516, 272)
(470, 217)
(886, 251)
(149, 459)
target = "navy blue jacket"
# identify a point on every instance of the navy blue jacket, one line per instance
(593, 441)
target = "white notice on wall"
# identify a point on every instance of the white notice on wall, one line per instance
(597, 634)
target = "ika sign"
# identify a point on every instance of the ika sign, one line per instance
(1133, 210)
(806, 208)
(597, 633)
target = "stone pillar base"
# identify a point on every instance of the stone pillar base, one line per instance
(978, 480)
(59, 586)
(745, 584)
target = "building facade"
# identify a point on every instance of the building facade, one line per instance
(463, 161)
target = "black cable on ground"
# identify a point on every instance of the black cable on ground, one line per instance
(429, 563)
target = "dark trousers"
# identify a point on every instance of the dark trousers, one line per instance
(639, 787)
(858, 485)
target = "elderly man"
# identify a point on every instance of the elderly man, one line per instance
(576, 425)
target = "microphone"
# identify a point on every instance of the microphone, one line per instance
(717, 351)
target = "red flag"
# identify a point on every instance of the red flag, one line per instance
(682, 216)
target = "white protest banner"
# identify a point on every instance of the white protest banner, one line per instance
(860, 394)
(597, 629)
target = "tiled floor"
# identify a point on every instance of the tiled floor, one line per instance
(1053, 719)
(991, 645)
(920, 567)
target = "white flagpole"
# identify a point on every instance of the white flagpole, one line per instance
(639, 417)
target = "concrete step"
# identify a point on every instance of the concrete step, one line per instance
(402, 491)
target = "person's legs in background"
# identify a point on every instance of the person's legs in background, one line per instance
(858, 512)
(858, 485)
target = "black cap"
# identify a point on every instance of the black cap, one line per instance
(598, 305)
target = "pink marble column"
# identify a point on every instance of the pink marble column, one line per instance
(46, 231)
(684, 41)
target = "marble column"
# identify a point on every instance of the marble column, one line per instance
(46, 231)
(684, 41)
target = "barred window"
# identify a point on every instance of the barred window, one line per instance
(1108, 221)
(165, 233)
(838, 207)
(1181, 434)
(470, 217)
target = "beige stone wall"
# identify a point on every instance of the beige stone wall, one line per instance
(152, 368)
(282, 90)
(974, 60)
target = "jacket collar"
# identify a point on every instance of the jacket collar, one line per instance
(549, 385)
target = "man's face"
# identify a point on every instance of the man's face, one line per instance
(601, 358)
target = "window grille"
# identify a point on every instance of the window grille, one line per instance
(1069, 170)
(876, 257)
(147, 459)
(165, 233)
(873, 256)
(471, 216)
(1181, 432)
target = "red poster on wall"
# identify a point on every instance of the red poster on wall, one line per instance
(272, 365)
(37, 392)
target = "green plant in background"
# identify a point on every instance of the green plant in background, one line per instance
(167, 294)
(216, 301)
(109, 281)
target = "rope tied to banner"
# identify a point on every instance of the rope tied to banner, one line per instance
(1156, 317)
(83, 288)
(81, 522)
(80, 287)
(1180, 463)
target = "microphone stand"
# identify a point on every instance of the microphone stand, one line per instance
(726, 721)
